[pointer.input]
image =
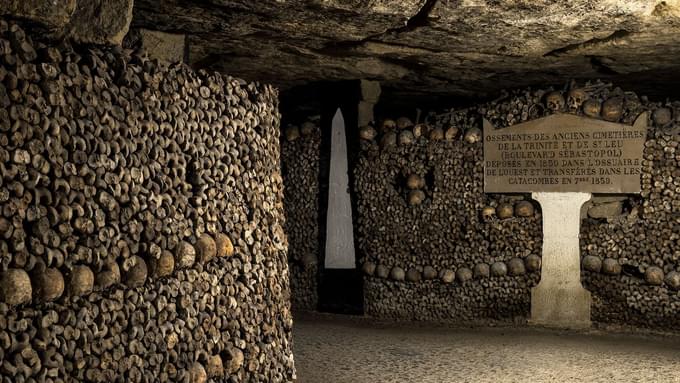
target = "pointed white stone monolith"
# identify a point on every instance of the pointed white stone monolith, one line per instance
(339, 233)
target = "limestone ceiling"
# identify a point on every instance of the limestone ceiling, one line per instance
(458, 48)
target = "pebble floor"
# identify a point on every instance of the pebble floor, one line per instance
(330, 349)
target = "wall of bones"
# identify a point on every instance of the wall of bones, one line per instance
(300, 161)
(433, 246)
(141, 215)
(436, 247)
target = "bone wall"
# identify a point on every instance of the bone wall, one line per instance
(141, 220)
(429, 253)
(435, 247)
(300, 161)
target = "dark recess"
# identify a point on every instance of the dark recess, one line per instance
(340, 291)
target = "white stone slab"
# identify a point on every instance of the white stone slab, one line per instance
(560, 300)
(339, 234)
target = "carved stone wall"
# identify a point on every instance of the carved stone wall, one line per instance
(141, 217)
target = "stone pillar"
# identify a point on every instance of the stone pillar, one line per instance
(339, 229)
(559, 300)
(370, 94)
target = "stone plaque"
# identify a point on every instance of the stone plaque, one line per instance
(564, 153)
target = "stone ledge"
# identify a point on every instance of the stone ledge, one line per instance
(84, 21)
(53, 15)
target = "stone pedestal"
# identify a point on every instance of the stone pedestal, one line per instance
(370, 94)
(559, 300)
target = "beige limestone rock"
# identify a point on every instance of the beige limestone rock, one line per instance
(166, 47)
(54, 15)
(100, 21)
(459, 48)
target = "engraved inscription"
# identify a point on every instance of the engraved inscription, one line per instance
(564, 153)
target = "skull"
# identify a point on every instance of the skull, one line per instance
(388, 140)
(420, 129)
(388, 125)
(575, 98)
(292, 133)
(406, 137)
(488, 212)
(415, 182)
(307, 128)
(554, 101)
(612, 109)
(505, 210)
(309, 260)
(437, 134)
(662, 117)
(451, 133)
(473, 135)
(591, 108)
(367, 133)
(416, 197)
(403, 123)
(631, 102)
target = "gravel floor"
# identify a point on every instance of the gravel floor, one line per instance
(331, 349)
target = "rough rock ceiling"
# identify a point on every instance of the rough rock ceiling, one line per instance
(459, 48)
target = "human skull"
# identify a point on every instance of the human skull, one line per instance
(436, 134)
(575, 98)
(292, 133)
(415, 182)
(309, 260)
(197, 374)
(388, 125)
(612, 109)
(406, 137)
(554, 101)
(420, 129)
(403, 123)
(367, 133)
(388, 140)
(524, 209)
(631, 102)
(451, 133)
(673, 280)
(505, 210)
(416, 197)
(591, 108)
(662, 117)
(473, 135)
(488, 212)
(307, 128)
